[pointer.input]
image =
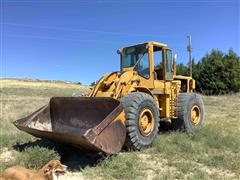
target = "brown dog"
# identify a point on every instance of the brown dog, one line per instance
(51, 171)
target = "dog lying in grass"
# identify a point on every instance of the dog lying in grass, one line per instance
(51, 171)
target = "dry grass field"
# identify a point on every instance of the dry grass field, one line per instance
(211, 153)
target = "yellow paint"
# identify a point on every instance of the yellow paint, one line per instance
(146, 122)
(120, 117)
(164, 92)
(195, 115)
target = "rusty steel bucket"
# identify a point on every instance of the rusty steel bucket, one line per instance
(92, 123)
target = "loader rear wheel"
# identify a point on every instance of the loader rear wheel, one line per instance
(142, 120)
(191, 112)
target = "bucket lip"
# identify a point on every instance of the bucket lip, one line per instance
(40, 134)
(25, 128)
(83, 97)
(89, 137)
(22, 127)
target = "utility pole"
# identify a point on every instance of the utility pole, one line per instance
(189, 49)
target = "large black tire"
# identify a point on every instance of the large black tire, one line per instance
(134, 105)
(187, 103)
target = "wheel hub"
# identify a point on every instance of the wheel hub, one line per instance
(146, 122)
(195, 115)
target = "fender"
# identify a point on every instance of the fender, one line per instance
(143, 89)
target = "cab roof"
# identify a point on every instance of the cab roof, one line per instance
(149, 42)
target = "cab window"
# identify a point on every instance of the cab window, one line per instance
(131, 55)
(158, 65)
(143, 67)
(168, 64)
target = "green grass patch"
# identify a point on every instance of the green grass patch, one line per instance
(221, 160)
(209, 146)
(212, 137)
(36, 157)
(8, 140)
(121, 166)
(168, 174)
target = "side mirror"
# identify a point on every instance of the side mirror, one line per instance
(119, 51)
(175, 58)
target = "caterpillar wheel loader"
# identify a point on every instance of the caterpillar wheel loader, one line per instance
(124, 108)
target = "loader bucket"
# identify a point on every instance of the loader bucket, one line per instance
(92, 123)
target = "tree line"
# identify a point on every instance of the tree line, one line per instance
(216, 73)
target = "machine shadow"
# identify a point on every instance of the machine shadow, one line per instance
(74, 158)
(165, 127)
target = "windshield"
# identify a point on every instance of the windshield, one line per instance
(131, 55)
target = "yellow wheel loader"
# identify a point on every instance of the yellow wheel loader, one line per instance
(124, 108)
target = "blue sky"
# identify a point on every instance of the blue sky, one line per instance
(77, 40)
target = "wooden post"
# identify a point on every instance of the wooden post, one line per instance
(189, 49)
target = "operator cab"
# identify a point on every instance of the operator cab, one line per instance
(136, 58)
(146, 58)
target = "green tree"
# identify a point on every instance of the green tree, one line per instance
(218, 73)
(232, 65)
(182, 69)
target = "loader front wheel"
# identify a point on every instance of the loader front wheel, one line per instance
(191, 112)
(142, 120)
